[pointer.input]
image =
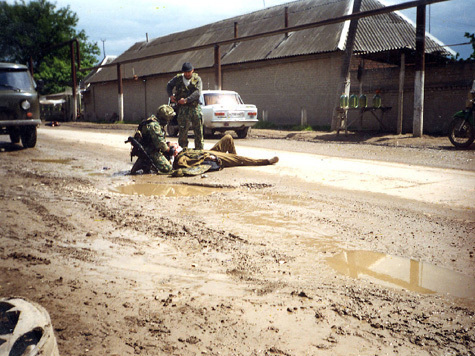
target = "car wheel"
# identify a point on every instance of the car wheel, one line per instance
(208, 133)
(28, 136)
(243, 132)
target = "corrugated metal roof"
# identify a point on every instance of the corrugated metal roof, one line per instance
(375, 34)
(389, 32)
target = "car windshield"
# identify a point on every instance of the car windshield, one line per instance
(230, 99)
(15, 79)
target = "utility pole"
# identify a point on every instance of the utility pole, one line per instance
(74, 86)
(418, 120)
(344, 84)
(103, 47)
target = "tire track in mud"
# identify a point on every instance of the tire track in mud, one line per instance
(190, 233)
(41, 207)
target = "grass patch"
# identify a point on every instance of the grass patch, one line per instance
(265, 125)
(301, 128)
(305, 128)
(271, 126)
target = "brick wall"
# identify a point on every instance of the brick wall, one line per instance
(446, 89)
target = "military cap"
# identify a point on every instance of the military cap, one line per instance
(165, 112)
(187, 67)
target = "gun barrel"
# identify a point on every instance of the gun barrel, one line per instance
(136, 144)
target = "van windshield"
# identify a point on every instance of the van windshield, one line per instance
(222, 99)
(14, 79)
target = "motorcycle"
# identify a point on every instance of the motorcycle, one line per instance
(461, 129)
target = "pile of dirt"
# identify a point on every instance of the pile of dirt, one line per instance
(361, 137)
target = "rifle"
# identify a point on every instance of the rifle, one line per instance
(140, 151)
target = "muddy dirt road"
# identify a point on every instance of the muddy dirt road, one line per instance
(338, 249)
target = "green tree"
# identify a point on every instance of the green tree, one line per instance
(471, 37)
(34, 30)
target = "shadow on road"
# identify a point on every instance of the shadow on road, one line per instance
(10, 147)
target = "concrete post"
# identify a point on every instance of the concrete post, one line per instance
(264, 115)
(121, 93)
(217, 68)
(303, 117)
(402, 73)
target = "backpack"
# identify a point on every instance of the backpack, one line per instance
(138, 134)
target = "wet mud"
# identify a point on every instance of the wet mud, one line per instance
(242, 262)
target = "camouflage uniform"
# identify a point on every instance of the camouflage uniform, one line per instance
(223, 153)
(154, 143)
(189, 113)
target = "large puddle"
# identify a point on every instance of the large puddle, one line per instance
(404, 273)
(166, 190)
(56, 161)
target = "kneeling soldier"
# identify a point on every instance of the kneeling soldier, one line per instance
(150, 134)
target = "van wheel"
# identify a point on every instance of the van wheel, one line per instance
(15, 136)
(28, 136)
(243, 132)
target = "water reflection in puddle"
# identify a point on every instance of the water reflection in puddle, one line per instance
(319, 242)
(166, 190)
(402, 273)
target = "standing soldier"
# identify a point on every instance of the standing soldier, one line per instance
(188, 88)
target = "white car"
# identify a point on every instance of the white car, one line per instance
(223, 110)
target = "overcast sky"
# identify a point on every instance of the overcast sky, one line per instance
(121, 23)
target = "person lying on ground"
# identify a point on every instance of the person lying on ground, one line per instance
(222, 155)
